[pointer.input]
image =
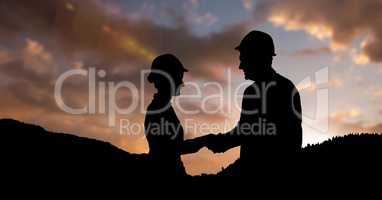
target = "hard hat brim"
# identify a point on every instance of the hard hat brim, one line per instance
(239, 48)
(185, 70)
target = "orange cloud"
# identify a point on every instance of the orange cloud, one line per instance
(361, 58)
(291, 23)
(37, 57)
(248, 4)
(130, 44)
(378, 93)
(343, 116)
(5, 56)
(341, 23)
(336, 83)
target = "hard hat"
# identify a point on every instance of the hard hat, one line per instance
(257, 42)
(166, 63)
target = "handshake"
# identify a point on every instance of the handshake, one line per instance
(213, 142)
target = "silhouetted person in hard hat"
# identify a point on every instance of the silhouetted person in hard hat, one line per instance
(163, 130)
(270, 121)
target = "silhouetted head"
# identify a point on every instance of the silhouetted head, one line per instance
(256, 55)
(167, 74)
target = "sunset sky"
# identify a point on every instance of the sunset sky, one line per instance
(42, 39)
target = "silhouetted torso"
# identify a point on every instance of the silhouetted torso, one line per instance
(278, 119)
(280, 106)
(165, 136)
(269, 127)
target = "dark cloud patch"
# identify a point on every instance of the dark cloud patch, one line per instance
(63, 32)
(32, 90)
(19, 72)
(81, 28)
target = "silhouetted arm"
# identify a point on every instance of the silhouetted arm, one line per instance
(193, 145)
(216, 143)
(249, 115)
(222, 142)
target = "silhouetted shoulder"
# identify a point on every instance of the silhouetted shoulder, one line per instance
(252, 89)
(285, 82)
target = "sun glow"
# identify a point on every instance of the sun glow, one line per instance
(130, 44)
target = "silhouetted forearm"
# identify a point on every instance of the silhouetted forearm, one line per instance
(217, 143)
(225, 141)
(192, 145)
